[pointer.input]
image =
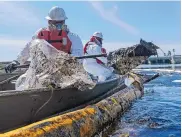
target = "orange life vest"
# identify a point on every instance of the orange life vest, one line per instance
(58, 39)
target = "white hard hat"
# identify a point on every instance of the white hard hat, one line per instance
(56, 13)
(98, 34)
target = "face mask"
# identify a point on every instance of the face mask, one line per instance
(99, 42)
(57, 26)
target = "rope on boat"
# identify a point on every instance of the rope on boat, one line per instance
(52, 91)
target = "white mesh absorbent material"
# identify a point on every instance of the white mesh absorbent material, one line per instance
(50, 66)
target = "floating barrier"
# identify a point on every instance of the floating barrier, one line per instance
(83, 123)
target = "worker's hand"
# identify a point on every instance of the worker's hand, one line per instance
(111, 68)
(73, 57)
(116, 72)
(11, 67)
(105, 55)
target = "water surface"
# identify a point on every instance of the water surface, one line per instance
(157, 113)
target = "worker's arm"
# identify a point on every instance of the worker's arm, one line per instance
(77, 46)
(23, 56)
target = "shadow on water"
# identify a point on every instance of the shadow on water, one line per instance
(157, 114)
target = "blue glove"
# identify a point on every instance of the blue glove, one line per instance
(12, 66)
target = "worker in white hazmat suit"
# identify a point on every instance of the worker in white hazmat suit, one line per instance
(96, 66)
(57, 34)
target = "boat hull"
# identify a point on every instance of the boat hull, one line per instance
(20, 108)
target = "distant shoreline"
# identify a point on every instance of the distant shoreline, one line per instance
(144, 66)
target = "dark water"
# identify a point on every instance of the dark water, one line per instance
(157, 114)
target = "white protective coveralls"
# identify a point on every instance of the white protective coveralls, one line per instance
(76, 50)
(91, 65)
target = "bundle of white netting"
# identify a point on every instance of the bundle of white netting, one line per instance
(52, 67)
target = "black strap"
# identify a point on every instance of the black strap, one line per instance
(60, 32)
(41, 33)
(55, 41)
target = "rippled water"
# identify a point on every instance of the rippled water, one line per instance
(157, 113)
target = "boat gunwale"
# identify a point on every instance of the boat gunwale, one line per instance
(35, 90)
